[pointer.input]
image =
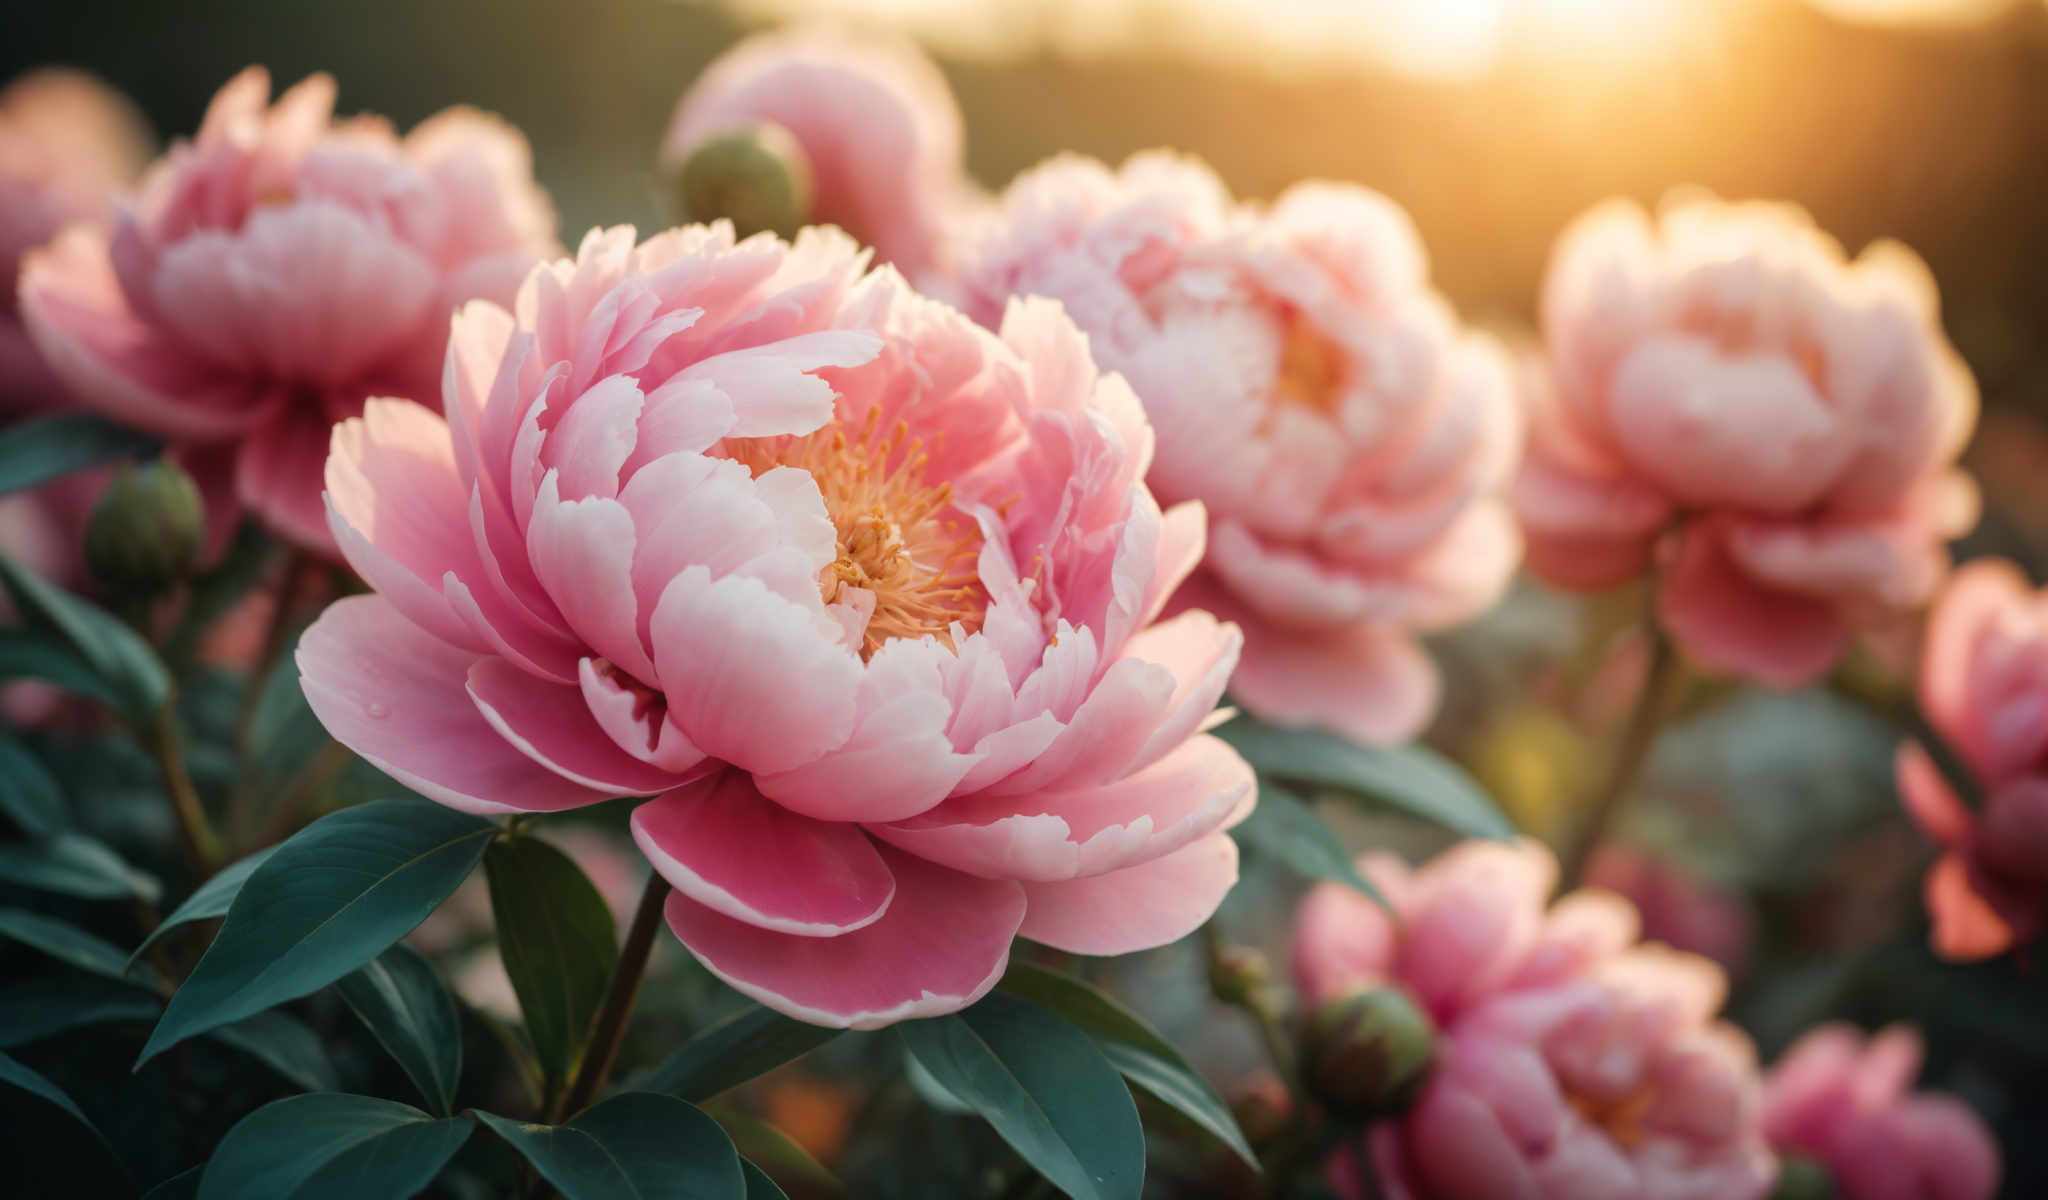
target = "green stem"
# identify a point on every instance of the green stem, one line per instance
(195, 834)
(608, 1029)
(1637, 736)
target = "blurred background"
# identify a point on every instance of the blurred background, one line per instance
(1772, 819)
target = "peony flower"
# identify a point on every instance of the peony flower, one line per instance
(276, 271)
(1570, 1064)
(68, 143)
(873, 122)
(1843, 1101)
(862, 593)
(1984, 689)
(1350, 442)
(1678, 908)
(1723, 394)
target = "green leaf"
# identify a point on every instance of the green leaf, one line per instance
(182, 1186)
(49, 1146)
(335, 896)
(72, 945)
(327, 1146)
(1134, 1048)
(72, 864)
(29, 794)
(759, 1142)
(1046, 1089)
(408, 1010)
(1286, 827)
(558, 940)
(1413, 779)
(211, 899)
(115, 652)
(38, 451)
(634, 1144)
(45, 1005)
(284, 1045)
(748, 1043)
(759, 1186)
(42, 654)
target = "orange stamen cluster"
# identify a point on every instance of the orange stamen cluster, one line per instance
(1311, 367)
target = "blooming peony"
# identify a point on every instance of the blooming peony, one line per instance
(1724, 395)
(1984, 688)
(862, 593)
(1351, 443)
(1681, 909)
(873, 120)
(1843, 1101)
(67, 144)
(1571, 1065)
(277, 270)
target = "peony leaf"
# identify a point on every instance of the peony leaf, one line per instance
(559, 943)
(51, 1148)
(114, 652)
(744, 1045)
(211, 899)
(38, 451)
(328, 1146)
(72, 864)
(29, 795)
(633, 1144)
(285, 1045)
(406, 1007)
(1288, 828)
(1414, 779)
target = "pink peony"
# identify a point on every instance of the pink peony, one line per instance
(68, 143)
(1843, 1101)
(1351, 443)
(1678, 908)
(1984, 688)
(1571, 1065)
(1726, 396)
(861, 592)
(874, 120)
(277, 270)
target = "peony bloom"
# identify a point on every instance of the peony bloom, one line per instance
(1843, 1101)
(1984, 688)
(1725, 395)
(874, 122)
(859, 591)
(276, 271)
(1351, 443)
(68, 143)
(1678, 908)
(1571, 1065)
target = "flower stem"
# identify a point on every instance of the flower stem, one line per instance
(1637, 736)
(608, 1029)
(201, 846)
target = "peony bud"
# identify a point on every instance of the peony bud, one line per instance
(1802, 1178)
(145, 528)
(1367, 1053)
(1238, 974)
(757, 177)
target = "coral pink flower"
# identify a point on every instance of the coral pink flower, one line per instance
(1570, 1064)
(861, 592)
(1724, 393)
(1844, 1102)
(1678, 908)
(68, 143)
(1984, 688)
(1350, 442)
(277, 270)
(876, 123)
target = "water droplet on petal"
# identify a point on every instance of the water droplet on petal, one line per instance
(377, 710)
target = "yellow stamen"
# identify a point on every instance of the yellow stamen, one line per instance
(1311, 367)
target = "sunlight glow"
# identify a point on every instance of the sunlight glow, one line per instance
(1915, 12)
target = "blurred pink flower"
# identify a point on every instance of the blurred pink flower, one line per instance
(43, 529)
(1843, 1101)
(1677, 907)
(1351, 442)
(1570, 1064)
(860, 591)
(1984, 688)
(276, 271)
(874, 119)
(1725, 395)
(68, 143)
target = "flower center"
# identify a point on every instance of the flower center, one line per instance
(900, 539)
(1621, 1120)
(1311, 367)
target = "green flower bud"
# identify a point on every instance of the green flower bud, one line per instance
(756, 177)
(1238, 973)
(145, 529)
(1367, 1054)
(1803, 1178)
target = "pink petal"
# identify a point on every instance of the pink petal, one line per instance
(1372, 685)
(551, 724)
(941, 945)
(1966, 925)
(771, 386)
(277, 475)
(1137, 907)
(1342, 940)
(582, 553)
(1732, 623)
(635, 718)
(732, 850)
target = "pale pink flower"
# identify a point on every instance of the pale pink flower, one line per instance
(874, 119)
(1569, 1064)
(68, 144)
(1984, 688)
(1725, 395)
(277, 270)
(1844, 1101)
(1677, 907)
(1351, 442)
(860, 591)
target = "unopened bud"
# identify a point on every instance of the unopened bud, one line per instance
(756, 177)
(1237, 974)
(145, 528)
(1263, 1111)
(1367, 1053)
(1802, 1178)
